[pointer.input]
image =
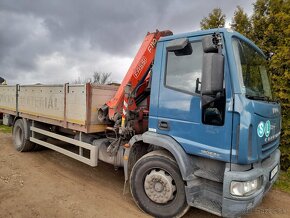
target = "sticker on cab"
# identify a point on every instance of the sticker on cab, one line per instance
(264, 128)
(267, 128)
(261, 129)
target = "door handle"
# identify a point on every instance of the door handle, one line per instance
(163, 125)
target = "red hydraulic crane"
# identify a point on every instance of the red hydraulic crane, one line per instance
(132, 90)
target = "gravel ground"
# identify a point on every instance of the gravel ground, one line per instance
(48, 184)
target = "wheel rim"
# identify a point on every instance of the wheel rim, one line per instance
(159, 186)
(19, 136)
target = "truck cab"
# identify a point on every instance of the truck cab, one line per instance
(233, 137)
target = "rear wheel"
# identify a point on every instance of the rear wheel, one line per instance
(21, 137)
(157, 186)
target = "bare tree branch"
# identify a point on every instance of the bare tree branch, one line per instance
(101, 78)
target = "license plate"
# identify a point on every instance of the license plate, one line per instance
(274, 172)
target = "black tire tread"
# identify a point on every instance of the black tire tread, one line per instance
(165, 155)
(26, 144)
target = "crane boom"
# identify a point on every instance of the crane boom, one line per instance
(137, 74)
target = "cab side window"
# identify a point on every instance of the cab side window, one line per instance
(183, 71)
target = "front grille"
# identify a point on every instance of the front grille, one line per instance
(269, 147)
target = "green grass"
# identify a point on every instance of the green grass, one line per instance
(283, 182)
(5, 129)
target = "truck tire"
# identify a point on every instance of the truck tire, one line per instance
(157, 186)
(38, 147)
(21, 137)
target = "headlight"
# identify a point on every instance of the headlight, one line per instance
(245, 188)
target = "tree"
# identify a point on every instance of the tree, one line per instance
(260, 21)
(215, 19)
(276, 39)
(241, 22)
(101, 78)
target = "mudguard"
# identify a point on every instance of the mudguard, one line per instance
(185, 162)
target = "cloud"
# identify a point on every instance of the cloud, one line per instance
(57, 41)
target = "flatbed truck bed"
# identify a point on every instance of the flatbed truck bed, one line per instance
(70, 106)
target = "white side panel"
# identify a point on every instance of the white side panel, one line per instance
(43, 101)
(8, 97)
(76, 104)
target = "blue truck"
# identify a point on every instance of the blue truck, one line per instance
(193, 123)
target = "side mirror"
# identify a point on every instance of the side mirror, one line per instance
(212, 69)
(179, 47)
(212, 73)
(212, 90)
(209, 44)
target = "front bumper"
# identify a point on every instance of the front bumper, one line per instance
(233, 206)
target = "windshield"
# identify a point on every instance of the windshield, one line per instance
(252, 69)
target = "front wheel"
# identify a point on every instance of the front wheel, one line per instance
(157, 186)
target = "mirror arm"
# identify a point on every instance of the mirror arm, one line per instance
(197, 83)
(217, 96)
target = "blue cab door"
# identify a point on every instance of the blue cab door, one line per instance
(179, 112)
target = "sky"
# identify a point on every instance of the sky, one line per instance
(57, 41)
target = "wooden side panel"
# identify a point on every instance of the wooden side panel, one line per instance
(76, 104)
(100, 95)
(8, 98)
(70, 106)
(43, 101)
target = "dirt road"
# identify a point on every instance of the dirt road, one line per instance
(48, 184)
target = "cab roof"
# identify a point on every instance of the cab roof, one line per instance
(229, 33)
